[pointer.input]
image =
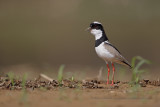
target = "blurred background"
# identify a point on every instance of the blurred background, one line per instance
(42, 33)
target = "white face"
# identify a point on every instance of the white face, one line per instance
(96, 33)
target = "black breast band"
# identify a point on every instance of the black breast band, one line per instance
(100, 40)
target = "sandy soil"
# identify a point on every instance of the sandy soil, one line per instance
(80, 93)
(124, 96)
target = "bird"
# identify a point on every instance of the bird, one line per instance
(105, 50)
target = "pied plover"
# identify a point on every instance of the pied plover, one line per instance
(105, 49)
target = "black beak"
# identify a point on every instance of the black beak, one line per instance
(88, 29)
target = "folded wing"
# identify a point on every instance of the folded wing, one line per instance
(118, 58)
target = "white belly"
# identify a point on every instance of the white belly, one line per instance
(103, 53)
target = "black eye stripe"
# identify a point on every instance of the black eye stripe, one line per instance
(95, 26)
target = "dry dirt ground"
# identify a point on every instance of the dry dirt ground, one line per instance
(72, 93)
(145, 97)
(87, 93)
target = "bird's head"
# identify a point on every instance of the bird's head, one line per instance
(96, 29)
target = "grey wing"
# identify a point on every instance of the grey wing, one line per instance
(118, 57)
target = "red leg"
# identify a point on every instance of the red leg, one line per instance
(108, 74)
(113, 74)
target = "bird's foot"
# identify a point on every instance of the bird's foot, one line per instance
(112, 83)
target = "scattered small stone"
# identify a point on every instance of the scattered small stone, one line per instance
(112, 92)
(84, 81)
(142, 84)
(101, 86)
(2, 83)
(117, 82)
(146, 81)
(155, 83)
(15, 84)
(116, 86)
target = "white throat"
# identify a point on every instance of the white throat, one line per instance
(96, 33)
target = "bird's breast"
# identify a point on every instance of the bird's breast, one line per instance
(103, 53)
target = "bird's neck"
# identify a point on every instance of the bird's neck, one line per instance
(100, 39)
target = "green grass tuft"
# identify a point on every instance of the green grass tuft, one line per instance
(60, 74)
(137, 72)
(23, 98)
(24, 79)
(11, 78)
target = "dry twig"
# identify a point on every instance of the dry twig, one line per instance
(46, 77)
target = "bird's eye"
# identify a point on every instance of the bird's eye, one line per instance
(93, 26)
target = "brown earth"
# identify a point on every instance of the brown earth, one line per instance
(73, 93)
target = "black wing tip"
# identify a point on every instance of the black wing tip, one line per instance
(130, 67)
(127, 64)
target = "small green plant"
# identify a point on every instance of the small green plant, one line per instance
(72, 78)
(23, 98)
(60, 74)
(136, 64)
(24, 81)
(137, 72)
(11, 78)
